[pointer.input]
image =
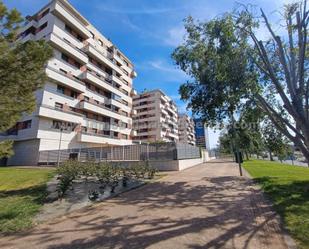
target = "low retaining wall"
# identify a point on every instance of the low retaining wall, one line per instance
(175, 165)
(169, 165)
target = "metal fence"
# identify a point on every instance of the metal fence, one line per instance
(135, 152)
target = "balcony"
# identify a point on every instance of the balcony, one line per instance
(60, 11)
(65, 45)
(65, 79)
(101, 139)
(102, 82)
(101, 109)
(59, 114)
(102, 56)
(94, 124)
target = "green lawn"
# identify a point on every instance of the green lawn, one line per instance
(288, 187)
(22, 192)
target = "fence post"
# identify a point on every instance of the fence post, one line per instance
(79, 153)
(101, 154)
(175, 152)
(147, 151)
(122, 153)
(47, 157)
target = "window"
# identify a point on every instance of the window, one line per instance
(60, 89)
(126, 82)
(74, 94)
(58, 105)
(101, 43)
(30, 30)
(43, 26)
(63, 71)
(92, 34)
(86, 98)
(73, 33)
(68, 29)
(64, 57)
(70, 60)
(44, 13)
(79, 38)
(67, 126)
(109, 71)
(24, 125)
(125, 72)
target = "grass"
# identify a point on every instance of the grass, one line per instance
(288, 188)
(22, 192)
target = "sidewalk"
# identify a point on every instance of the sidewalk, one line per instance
(207, 206)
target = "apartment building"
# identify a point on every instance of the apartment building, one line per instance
(156, 117)
(87, 99)
(186, 130)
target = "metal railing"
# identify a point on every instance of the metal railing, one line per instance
(134, 152)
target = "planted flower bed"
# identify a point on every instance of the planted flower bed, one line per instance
(78, 185)
(105, 177)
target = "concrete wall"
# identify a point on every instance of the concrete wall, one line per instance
(169, 165)
(26, 153)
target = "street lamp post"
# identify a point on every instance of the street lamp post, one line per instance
(59, 149)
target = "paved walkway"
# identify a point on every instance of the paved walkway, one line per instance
(207, 206)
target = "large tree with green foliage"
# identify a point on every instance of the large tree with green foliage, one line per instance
(228, 65)
(22, 72)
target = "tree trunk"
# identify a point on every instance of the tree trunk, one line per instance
(247, 156)
(271, 156)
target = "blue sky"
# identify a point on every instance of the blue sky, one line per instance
(148, 32)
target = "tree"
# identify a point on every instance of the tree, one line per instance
(283, 63)
(280, 83)
(215, 57)
(274, 141)
(22, 72)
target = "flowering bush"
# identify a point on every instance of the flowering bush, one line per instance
(106, 174)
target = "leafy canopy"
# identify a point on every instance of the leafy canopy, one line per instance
(22, 71)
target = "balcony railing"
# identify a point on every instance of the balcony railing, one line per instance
(103, 106)
(70, 44)
(110, 57)
(62, 110)
(107, 55)
(98, 135)
(67, 75)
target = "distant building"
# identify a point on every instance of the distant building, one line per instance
(186, 129)
(201, 134)
(156, 117)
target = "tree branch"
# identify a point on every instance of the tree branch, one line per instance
(272, 112)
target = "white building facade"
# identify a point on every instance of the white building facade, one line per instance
(186, 130)
(156, 117)
(88, 94)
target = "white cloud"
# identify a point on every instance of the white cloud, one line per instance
(164, 67)
(175, 36)
(135, 11)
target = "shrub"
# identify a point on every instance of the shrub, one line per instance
(68, 172)
(93, 195)
(105, 173)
